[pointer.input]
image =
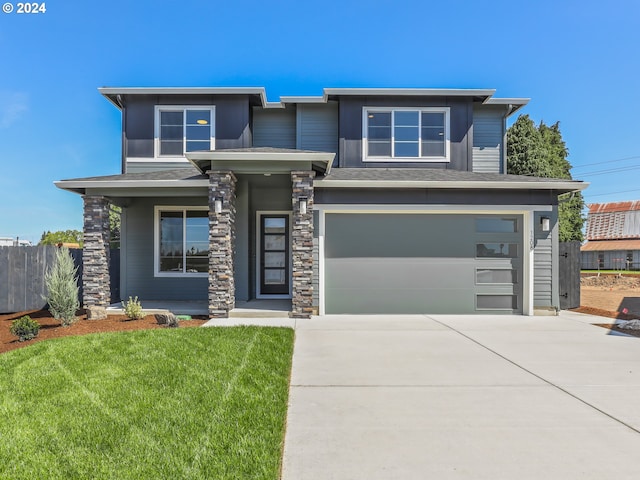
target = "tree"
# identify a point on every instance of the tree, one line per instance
(540, 151)
(66, 236)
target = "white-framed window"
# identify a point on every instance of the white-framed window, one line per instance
(419, 134)
(181, 237)
(181, 129)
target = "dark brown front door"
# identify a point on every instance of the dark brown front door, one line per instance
(274, 254)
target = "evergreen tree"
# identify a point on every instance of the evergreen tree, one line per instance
(62, 287)
(541, 152)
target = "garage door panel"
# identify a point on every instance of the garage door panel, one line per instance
(388, 300)
(422, 263)
(395, 273)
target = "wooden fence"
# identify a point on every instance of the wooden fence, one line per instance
(22, 271)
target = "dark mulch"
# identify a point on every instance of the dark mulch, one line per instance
(51, 328)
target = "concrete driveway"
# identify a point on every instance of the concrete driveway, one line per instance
(462, 397)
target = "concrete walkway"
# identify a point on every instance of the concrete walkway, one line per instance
(462, 397)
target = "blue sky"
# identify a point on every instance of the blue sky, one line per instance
(578, 61)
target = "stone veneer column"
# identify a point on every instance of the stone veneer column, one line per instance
(96, 283)
(222, 184)
(302, 245)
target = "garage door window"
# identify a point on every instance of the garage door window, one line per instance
(497, 302)
(496, 250)
(496, 225)
(496, 276)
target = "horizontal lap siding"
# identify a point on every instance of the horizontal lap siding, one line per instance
(138, 256)
(274, 128)
(317, 127)
(488, 135)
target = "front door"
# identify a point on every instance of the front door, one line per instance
(274, 254)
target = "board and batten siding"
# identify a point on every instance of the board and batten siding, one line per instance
(137, 256)
(488, 139)
(317, 127)
(274, 128)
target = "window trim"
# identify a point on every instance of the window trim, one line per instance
(180, 108)
(158, 209)
(430, 159)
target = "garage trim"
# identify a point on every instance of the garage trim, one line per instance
(527, 212)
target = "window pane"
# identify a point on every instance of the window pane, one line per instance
(406, 133)
(402, 118)
(379, 133)
(171, 118)
(406, 149)
(170, 147)
(489, 275)
(199, 117)
(497, 250)
(274, 259)
(379, 149)
(197, 241)
(432, 149)
(500, 302)
(496, 225)
(197, 146)
(379, 119)
(433, 134)
(431, 119)
(171, 244)
(274, 242)
(275, 225)
(274, 277)
(198, 132)
(171, 132)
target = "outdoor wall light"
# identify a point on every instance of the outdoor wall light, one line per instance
(545, 224)
(303, 205)
(217, 205)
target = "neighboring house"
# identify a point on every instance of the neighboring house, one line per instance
(356, 201)
(14, 242)
(613, 237)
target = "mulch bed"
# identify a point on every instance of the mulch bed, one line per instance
(51, 328)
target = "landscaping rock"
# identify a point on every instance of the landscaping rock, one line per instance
(167, 319)
(630, 325)
(96, 313)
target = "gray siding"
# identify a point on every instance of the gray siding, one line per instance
(350, 126)
(137, 256)
(545, 276)
(274, 128)
(316, 261)
(232, 121)
(317, 127)
(488, 137)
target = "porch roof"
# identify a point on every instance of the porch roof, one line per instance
(262, 160)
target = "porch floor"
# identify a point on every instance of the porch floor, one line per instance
(257, 308)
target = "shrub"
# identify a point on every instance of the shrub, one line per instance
(62, 286)
(133, 309)
(25, 328)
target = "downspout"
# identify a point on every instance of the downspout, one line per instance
(123, 150)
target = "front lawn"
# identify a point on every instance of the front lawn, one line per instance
(151, 404)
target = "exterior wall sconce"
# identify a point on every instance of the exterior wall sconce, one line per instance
(303, 205)
(545, 224)
(217, 205)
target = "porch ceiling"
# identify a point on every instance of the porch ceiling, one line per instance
(262, 160)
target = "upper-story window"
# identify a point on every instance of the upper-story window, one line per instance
(184, 129)
(406, 134)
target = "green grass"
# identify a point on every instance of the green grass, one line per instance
(154, 404)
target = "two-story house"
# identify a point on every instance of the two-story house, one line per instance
(356, 201)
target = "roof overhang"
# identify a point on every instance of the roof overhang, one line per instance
(261, 161)
(82, 186)
(560, 187)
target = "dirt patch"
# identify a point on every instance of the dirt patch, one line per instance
(608, 282)
(51, 328)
